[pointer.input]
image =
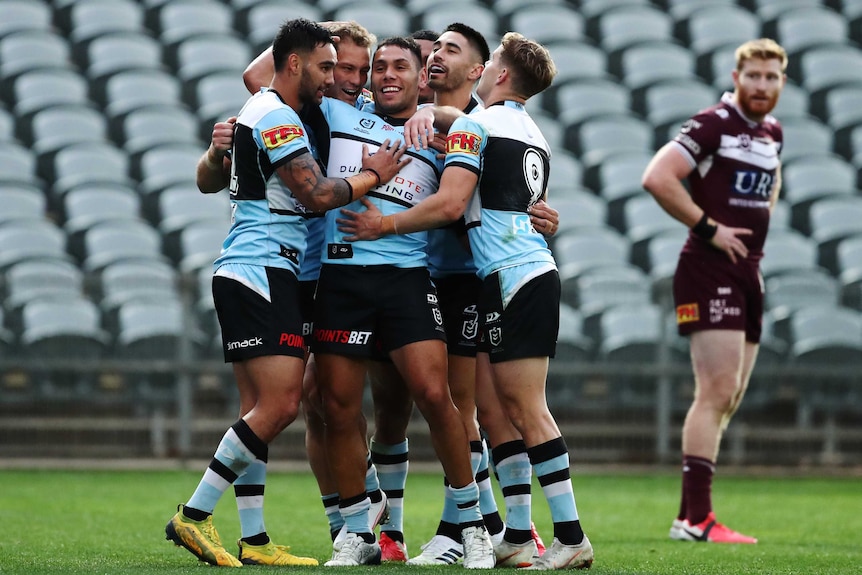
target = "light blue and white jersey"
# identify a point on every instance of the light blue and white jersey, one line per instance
(505, 148)
(267, 223)
(447, 254)
(349, 130)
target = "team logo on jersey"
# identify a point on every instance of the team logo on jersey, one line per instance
(495, 336)
(366, 123)
(534, 174)
(280, 135)
(463, 142)
(744, 141)
(687, 313)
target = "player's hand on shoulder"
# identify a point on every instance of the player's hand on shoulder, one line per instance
(386, 161)
(364, 225)
(419, 129)
(728, 240)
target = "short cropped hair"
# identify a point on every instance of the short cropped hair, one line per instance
(474, 38)
(533, 68)
(763, 49)
(353, 31)
(299, 36)
(407, 43)
(425, 34)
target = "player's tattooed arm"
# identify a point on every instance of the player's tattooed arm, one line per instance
(316, 192)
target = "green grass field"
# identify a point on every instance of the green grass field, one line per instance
(113, 522)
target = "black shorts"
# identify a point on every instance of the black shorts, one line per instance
(306, 306)
(459, 302)
(360, 307)
(528, 326)
(711, 292)
(251, 326)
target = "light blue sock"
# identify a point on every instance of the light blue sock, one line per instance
(392, 463)
(249, 488)
(515, 475)
(467, 499)
(238, 448)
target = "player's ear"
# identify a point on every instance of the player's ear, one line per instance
(423, 78)
(476, 72)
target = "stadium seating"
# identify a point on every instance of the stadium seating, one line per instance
(384, 20)
(63, 329)
(445, 12)
(24, 15)
(804, 138)
(788, 250)
(648, 63)
(578, 101)
(30, 280)
(182, 19)
(105, 108)
(40, 89)
(31, 240)
(600, 138)
(113, 241)
(716, 26)
(832, 220)
(30, 50)
(548, 23)
(262, 20)
(849, 258)
(810, 179)
(89, 20)
(87, 206)
(21, 204)
(200, 55)
(624, 26)
(88, 163)
(120, 52)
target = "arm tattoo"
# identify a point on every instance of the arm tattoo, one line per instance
(314, 190)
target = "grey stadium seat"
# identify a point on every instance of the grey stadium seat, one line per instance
(718, 25)
(30, 50)
(548, 23)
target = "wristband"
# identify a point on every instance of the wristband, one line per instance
(349, 187)
(373, 171)
(394, 225)
(704, 229)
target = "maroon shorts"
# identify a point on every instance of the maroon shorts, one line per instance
(711, 292)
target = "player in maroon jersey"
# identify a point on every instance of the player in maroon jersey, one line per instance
(729, 154)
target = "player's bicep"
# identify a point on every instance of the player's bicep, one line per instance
(457, 185)
(301, 174)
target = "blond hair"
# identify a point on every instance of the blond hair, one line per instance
(763, 49)
(534, 70)
(351, 30)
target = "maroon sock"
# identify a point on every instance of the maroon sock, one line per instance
(697, 475)
(683, 508)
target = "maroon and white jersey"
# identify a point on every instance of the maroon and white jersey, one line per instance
(735, 165)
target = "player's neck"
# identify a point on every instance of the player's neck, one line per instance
(288, 93)
(459, 98)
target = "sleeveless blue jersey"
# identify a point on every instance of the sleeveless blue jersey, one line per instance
(267, 223)
(349, 129)
(505, 148)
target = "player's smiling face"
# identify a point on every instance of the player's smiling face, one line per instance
(395, 81)
(450, 62)
(351, 71)
(757, 85)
